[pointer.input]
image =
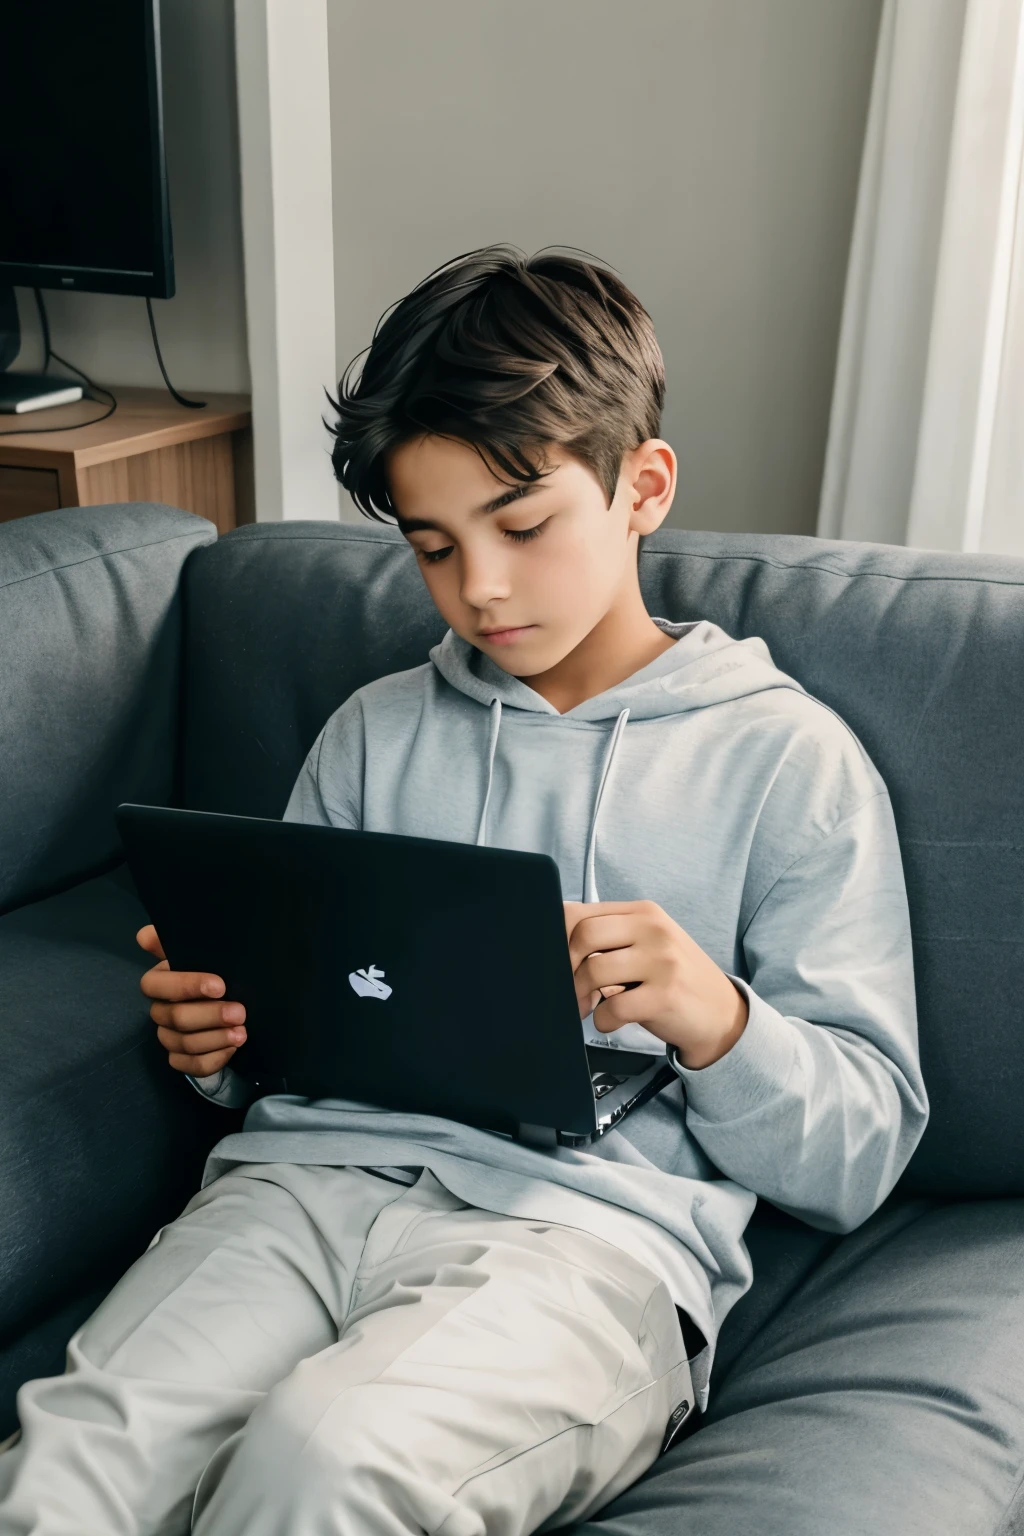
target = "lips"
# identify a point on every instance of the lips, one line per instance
(507, 636)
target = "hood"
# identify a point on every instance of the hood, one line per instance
(705, 666)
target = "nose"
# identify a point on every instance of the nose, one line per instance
(484, 577)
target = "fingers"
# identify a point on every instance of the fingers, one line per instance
(188, 1018)
(617, 967)
(576, 911)
(198, 1042)
(199, 1036)
(594, 928)
(611, 932)
(573, 910)
(179, 986)
(149, 941)
(199, 1052)
(605, 975)
(200, 1066)
(626, 1007)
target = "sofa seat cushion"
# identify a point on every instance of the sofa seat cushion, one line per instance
(41, 1350)
(100, 1142)
(886, 1395)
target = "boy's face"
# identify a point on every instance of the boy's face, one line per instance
(525, 573)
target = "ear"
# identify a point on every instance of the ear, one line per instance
(650, 471)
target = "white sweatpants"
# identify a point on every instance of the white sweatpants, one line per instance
(316, 1351)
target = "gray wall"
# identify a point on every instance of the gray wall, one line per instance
(708, 149)
(202, 330)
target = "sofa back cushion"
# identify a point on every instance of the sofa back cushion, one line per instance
(920, 651)
(90, 630)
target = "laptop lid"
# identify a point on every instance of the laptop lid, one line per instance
(407, 972)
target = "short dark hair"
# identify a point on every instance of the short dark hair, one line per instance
(505, 353)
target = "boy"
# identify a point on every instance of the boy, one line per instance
(370, 1321)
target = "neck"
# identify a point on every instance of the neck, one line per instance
(625, 640)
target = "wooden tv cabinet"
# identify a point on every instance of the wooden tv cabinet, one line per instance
(150, 449)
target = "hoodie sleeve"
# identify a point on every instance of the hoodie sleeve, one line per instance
(333, 804)
(820, 1103)
(224, 1087)
(329, 789)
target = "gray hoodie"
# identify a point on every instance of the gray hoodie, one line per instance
(711, 783)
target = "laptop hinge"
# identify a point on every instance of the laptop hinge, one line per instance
(538, 1135)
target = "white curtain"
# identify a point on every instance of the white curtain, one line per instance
(926, 437)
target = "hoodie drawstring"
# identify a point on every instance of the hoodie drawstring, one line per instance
(589, 882)
(492, 747)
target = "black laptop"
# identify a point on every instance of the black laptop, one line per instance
(404, 972)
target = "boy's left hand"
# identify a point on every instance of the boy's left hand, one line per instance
(674, 989)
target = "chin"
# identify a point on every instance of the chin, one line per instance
(523, 662)
(526, 658)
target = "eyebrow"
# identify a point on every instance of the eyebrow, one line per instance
(421, 524)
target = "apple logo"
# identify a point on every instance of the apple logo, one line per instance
(369, 983)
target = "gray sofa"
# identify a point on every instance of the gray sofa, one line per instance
(872, 1382)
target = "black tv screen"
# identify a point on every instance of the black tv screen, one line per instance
(83, 192)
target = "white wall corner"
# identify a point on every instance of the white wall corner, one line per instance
(284, 122)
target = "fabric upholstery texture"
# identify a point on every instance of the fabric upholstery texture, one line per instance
(885, 1398)
(40, 1348)
(920, 651)
(100, 1143)
(283, 622)
(89, 635)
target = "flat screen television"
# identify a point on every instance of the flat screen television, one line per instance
(83, 185)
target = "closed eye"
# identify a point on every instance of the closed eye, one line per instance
(517, 535)
(524, 535)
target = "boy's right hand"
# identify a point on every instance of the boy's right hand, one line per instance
(199, 1033)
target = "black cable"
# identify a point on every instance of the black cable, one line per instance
(72, 426)
(194, 405)
(44, 322)
(98, 389)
